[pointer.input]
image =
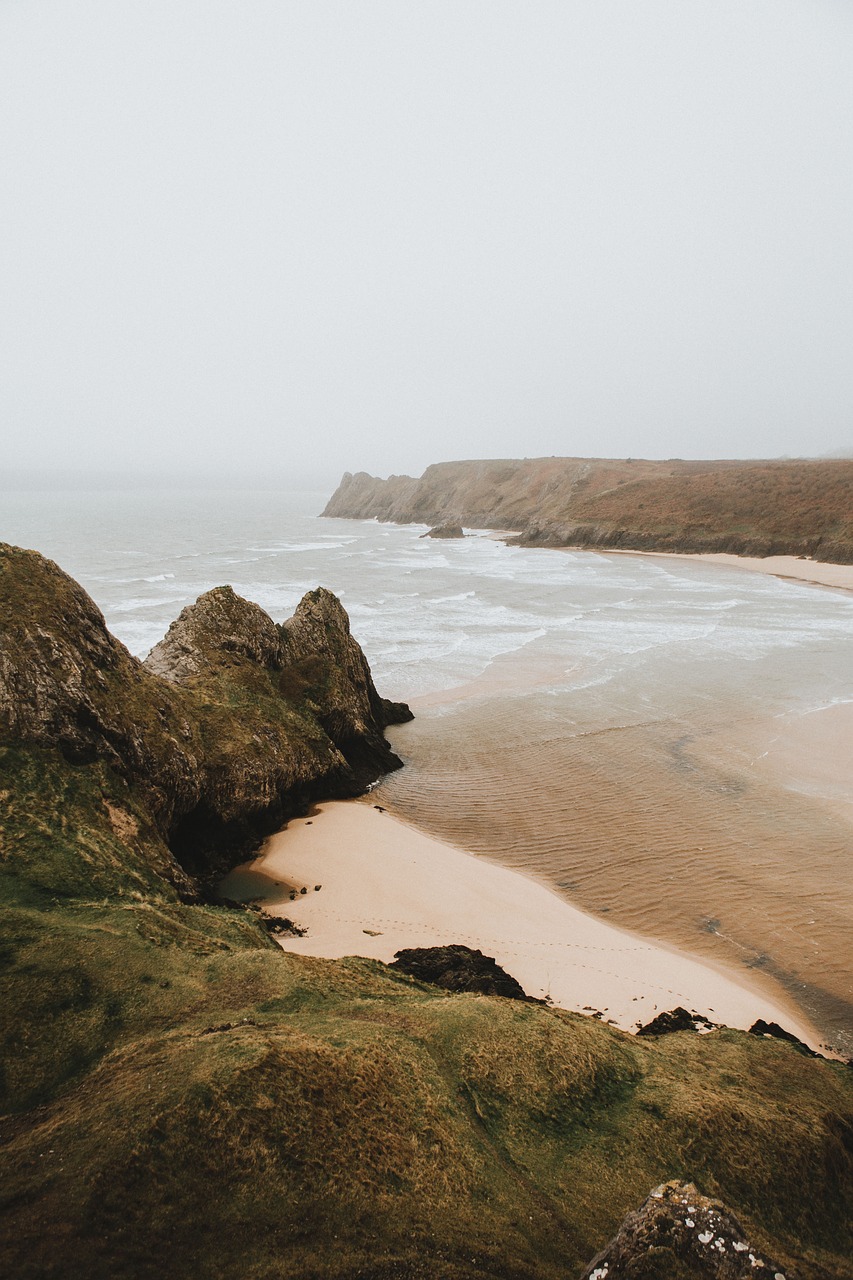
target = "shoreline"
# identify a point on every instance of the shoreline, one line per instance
(385, 885)
(816, 573)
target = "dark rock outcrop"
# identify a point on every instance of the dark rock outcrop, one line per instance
(445, 531)
(458, 968)
(230, 725)
(775, 1032)
(674, 1020)
(345, 700)
(679, 1234)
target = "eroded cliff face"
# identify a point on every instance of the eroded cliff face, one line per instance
(779, 507)
(230, 725)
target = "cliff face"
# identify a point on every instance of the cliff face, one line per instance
(792, 507)
(230, 724)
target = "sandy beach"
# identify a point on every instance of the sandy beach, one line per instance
(818, 572)
(839, 576)
(385, 885)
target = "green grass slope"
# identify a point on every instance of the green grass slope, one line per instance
(181, 1097)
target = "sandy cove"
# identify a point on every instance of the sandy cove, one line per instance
(816, 572)
(819, 573)
(385, 885)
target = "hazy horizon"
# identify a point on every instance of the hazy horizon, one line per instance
(289, 241)
(317, 481)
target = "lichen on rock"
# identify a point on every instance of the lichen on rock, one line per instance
(680, 1234)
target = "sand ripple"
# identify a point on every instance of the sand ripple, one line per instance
(659, 824)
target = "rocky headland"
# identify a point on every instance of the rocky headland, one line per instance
(794, 507)
(182, 1097)
(229, 726)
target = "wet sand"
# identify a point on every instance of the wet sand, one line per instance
(715, 824)
(385, 885)
(811, 754)
(667, 828)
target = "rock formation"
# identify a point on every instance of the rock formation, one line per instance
(231, 724)
(445, 531)
(780, 507)
(677, 1019)
(679, 1234)
(458, 968)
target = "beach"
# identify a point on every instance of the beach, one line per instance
(817, 572)
(689, 837)
(662, 740)
(384, 886)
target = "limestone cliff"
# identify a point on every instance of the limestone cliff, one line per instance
(230, 725)
(780, 507)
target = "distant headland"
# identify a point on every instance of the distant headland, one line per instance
(790, 507)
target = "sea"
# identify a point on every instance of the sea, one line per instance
(638, 732)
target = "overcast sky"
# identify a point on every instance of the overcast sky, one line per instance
(298, 237)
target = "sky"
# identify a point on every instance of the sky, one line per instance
(294, 237)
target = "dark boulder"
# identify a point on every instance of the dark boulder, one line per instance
(773, 1030)
(458, 968)
(445, 531)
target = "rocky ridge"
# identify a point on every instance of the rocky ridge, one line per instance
(230, 725)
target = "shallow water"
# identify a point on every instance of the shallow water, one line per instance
(593, 719)
(655, 823)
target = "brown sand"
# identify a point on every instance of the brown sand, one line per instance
(386, 885)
